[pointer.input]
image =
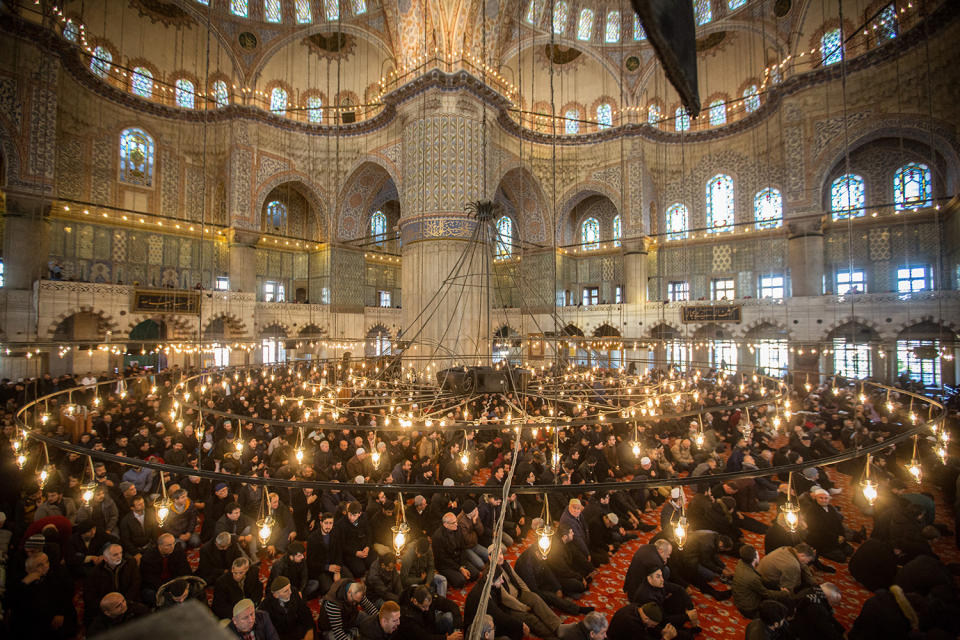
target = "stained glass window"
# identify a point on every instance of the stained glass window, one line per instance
(504, 237)
(532, 11)
(221, 94)
(271, 10)
(314, 110)
(560, 14)
(136, 157)
(682, 122)
(831, 47)
(205, 3)
(847, 197)
(378, 226)
(612, 32)
(720, 206)
(751, 99)
(912, 186)
(886, 22)
(677, 218)
(276, 214)
(184, 93)
(604, 116)
(100, 62)
(590, 234)
(304, 14)
(359, 7)
(238, 8)
(653, 114)
(331, 9)
(735, 4)
(702, 11)
(585, 25)
(70, 32)
(638, 31)
(718, 113)
(278, 101)
(141, 82)
(571, 124)
(768, 208)
(617, 230)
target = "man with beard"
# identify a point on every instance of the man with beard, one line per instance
(350, 548)
(288, 612)
(116, 572)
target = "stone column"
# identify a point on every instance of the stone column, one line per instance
(26, 242)
(635, 270)
(805, 250)
(442, 173)
(243, 262)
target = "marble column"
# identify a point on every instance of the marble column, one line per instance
(635, 270)
(445, 302)
(26, 243)
(805, 251)
(243, 262)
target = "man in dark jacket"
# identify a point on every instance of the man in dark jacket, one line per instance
(645, 622)
(138, 528)
(182, 521)
(294, 567)
(229, 589)
(216, 557)
(288, 612)
(698, 564)
(567, 563)
(114, 611)
(42, 603)
(825, 531)
(505, 621)
(213, 509)
(674, 601)
(418, 619)
(320, 563)
(383, 626)
(748, 588)
(383, 581)
(417, 567)
(160, 564)
(351, 547)
(341, 607)
(116, 572)
(645, 558)
(450, 554)
(85, 548)
(540, 579)
(248, 623)
(572, 518)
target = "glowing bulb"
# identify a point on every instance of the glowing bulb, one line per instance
(299, 455)
(264, 533)
(869, 491)
(698, 439)
(889, 407)
(680, 532)
(636, 449)
(238, 445)
(375, 459)
(21, 460)
(791, 514)
(915, 470)
(464, 459)
(44, 475)
(87, 494)
(163, 510)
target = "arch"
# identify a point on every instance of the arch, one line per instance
(363, 187)
(275, 329)
(919, 352)
(606, 331)
(762, 329)
(293, 181)
(224, 326)
(583, 202)
(519, 194)
(93, 325)
(312, 331)
(572, 330)
(853, 344)
(379, 341)
(664, 331)
(713, 331)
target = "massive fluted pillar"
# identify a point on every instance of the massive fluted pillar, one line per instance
(805, 248)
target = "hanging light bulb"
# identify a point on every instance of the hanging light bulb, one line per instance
(298, 454)
(869, 491)
(545, 531)
(916, 471)
(465, 458)
(635, 449)
(238, 445)
(791, 515)
(680, 532)
(21, 460)
(162, 505)
(86, 492)
(265, 529)
(375, 459)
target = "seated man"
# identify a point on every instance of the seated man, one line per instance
(216, 557)
(786, 567)
(645, 558)
(593, 627)
(115, 611)
(417, 567)
(420, 621)
(288, 612)
(384, 625)
(116, 572)
(698, 563)
(320, 563)
(248, 623)
(507, 621)
(182, 521)
(541, 619)
(161, 564)
(540, 579)
(674, 602)
(768, 625)
(640, 622)
(813, 617)
(450, 553)
(383, 581)
(229, 589)
(42, 603)
(294, 567)
(825, 530)
(748, 588)
(343, 608)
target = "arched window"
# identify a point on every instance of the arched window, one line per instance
(638, 31)
(136, 157)
(751, 99)
(239, 8)
(718, 113)
(271, 10)
(359, 7)
(331, 9)
(571, 122)
(141, 82)
(847, 197)
(100, 62)
(585, 25)
(70, 32)
(604, 116)
(831, 47)
(612, 32)
(278, 101)
(532, 10)
(276, 215)
(617, 230)
(590, 234)
(304, 14)
(221, 95)
(560, 15)
(378, 226)
(887, 27)
(768, 208)
(720, 206)
(735, 4)
(653, 114)
(702, 11)
(314, 109)
(677, 218)
(912, 186)
(682, 121)
(184, 94)
(504, 237)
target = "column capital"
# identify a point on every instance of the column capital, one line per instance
(635, 245)
(241, 238)
(810, 224)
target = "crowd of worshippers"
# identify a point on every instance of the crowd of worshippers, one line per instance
(335, 546)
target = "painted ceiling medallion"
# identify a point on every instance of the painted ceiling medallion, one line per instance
(331, 45)
(163, 12)
(561, 54)
(247, 40)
